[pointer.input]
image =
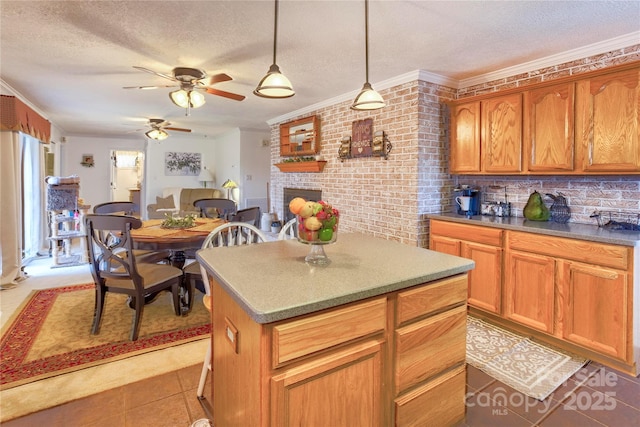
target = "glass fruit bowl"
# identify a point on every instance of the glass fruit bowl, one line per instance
(317, 224)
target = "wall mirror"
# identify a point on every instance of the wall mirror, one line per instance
(300, 137)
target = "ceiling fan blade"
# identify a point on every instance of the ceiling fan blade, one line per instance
(147, 87)
(224, 94)
(177, 129)
(220, 78)
(146, 70)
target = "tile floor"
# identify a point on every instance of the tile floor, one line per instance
(595, 396)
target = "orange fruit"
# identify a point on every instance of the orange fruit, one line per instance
(296, 204)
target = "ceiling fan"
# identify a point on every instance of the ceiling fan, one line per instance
(190, 81)
(159, 129)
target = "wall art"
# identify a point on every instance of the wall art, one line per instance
(182, 164)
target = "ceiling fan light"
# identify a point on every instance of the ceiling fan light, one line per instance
(196, 98)
(157, 134)
(368, 99)
(180, 98)
(274, 85)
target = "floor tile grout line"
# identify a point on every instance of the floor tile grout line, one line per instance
(566, 396)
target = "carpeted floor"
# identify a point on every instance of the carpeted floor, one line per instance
(531, 368)
(50, 334)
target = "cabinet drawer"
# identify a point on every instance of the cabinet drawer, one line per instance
(577, 250)
(470, 233)
(440, 402)
(430, 298)
(311, 334)
(430, 346)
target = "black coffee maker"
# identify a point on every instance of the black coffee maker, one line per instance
(460, 195)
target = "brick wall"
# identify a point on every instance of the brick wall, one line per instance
(389, 198)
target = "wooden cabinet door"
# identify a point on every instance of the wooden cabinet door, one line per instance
(529, 289)
(596, 300)
(549, 128)
(445, 245)
(465, 138)
(608, 122)
(486, 278)
(340, 389)
(502, 134)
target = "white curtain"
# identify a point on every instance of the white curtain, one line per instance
(10, 209)
(34, 193)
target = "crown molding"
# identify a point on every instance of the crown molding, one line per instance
(561, 58)
(571, 55)
(411, 76)
(12, 92)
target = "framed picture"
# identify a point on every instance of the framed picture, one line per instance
(182, 164)
(87, 160)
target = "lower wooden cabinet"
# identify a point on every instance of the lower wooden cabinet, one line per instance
(571, 292)
(397, 359)
(484, 246)
(529, 290)
(596, 309)
(341, 389)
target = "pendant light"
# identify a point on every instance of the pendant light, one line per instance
(367, 99)
(274, 84)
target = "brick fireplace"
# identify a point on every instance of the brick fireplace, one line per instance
(291, 193)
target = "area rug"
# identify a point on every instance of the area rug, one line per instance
(50, 334)
(529, 367)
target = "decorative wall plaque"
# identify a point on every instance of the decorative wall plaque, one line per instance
(361, 138)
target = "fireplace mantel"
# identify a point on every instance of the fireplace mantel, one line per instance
(310, 166)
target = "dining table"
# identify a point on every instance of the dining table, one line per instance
(178, 241)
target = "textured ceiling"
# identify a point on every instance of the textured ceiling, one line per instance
(71, 58)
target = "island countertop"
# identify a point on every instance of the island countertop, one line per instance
(570, 230)
(272, 282)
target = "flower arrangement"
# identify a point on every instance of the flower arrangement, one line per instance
(317, 221)
(178, 222)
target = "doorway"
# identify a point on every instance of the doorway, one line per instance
(126, 175)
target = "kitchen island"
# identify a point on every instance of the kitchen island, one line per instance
(375, 338)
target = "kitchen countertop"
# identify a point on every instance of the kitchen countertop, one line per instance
(272, 282)
(571, 230)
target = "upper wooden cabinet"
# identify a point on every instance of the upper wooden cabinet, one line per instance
(578, 125)
(607, 116)
(465, 131)
(549, 128)
(300, 137)
(502, 134)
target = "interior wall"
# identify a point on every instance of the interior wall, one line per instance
(156, 180)
(94, 181)
(255, 167)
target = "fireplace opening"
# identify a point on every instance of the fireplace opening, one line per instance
(291, 193)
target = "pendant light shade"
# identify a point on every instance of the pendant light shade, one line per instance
(274, 84)
(368, 98)
(157, 134)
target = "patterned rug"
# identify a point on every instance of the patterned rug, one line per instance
(50, 334)
(528, 367)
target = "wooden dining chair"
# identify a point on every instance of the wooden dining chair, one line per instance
(124, 208)
(249, 215)
(128, 208)
(229, 234)
(114, 269)
(216, 208)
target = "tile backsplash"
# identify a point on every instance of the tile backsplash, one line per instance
(584, 194)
